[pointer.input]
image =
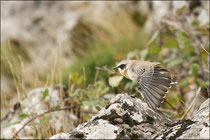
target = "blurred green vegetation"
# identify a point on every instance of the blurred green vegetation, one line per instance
(175, 49)
(104, 54)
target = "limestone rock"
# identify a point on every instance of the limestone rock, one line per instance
(129, 117)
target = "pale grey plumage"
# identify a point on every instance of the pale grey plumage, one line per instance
(152, 79)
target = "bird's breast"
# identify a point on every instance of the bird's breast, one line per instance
(132, 75)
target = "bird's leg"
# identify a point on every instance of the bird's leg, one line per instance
(141, 94)
(143, 98)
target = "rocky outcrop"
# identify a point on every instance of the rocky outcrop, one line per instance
(128, 117)
(198, 127)
(124, 117)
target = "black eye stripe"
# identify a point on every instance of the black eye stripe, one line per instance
(122, 66)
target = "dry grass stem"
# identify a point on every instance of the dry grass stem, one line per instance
(104, 68)
(172, 106)
(204, 49)
(168, 111)
(188, 109)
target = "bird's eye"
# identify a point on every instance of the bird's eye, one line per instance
(122, 66)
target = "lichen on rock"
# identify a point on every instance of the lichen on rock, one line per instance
(128, 117)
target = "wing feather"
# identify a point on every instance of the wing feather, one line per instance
(148, 100)
(151, 96)
(153, 83)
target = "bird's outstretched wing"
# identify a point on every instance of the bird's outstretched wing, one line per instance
(153, 83)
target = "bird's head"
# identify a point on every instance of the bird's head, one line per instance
(122, 66)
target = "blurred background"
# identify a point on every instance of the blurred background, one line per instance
(49, 43)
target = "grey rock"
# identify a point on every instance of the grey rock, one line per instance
(129, 117)
(61, 136)
(196, 128)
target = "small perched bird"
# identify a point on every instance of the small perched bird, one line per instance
(152, 79)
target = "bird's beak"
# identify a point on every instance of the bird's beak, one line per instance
(115, 67)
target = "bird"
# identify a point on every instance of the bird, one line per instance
(152, 79)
